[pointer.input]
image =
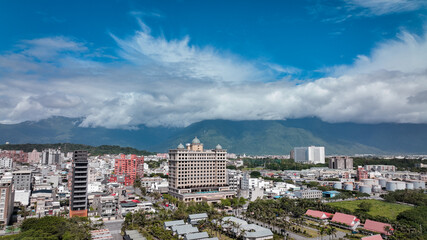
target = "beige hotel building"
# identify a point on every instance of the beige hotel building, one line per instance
(198, 175)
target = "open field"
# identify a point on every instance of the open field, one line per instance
(379, 208)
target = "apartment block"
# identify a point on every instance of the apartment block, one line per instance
(198, 175)
(131, 168)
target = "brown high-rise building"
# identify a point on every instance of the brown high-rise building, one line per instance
(7, 195)
(198, 175)
(78, 199)
(341, 163)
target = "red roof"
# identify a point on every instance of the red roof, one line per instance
(135, 201)
(374, 237)
(344, 218)
(375, 226)
(318, 214)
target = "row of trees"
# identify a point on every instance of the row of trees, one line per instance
(401, 164)
(69, 147)
(277, 164)
(415, 197)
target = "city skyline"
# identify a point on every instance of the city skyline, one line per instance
(121, 64)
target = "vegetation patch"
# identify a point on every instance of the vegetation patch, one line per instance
(377, 208)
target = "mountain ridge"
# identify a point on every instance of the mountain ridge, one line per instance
(248, 136)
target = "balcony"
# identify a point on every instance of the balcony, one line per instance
(80, 191)
(79, 206)
(77, 182)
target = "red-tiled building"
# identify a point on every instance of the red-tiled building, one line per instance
(347, 220)
(131, 168)
(378, 227)
(318, 214)
(374, 237)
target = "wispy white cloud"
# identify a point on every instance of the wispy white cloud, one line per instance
(172, 82)
(383, 7)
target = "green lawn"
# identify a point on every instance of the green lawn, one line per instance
(379, 208)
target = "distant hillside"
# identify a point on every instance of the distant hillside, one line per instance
(70, 147)
(251, 137)
(259, 137)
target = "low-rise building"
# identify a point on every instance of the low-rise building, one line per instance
(169, 224)
(380, 168)
(318, 215)
(345, 221)
(101, 234)
(106, 206)
(195, 218)
(377, 227)
(196, 236)
(309, 194)
(248, 231)
(182, 230)
(373, 237)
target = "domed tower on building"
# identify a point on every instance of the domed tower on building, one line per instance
(195, 145)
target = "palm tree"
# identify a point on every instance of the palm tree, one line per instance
(23, 212)
(332, 231)
(322, 231)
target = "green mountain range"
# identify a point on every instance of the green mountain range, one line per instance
(250, 137)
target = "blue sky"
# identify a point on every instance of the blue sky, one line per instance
(263, 59)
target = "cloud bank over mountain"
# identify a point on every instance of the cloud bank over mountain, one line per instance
(171, 82)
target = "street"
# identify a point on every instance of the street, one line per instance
(115, 227)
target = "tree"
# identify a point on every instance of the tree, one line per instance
(364, 206)
(52, 227)
(137, 183)
(156, 195)
(143, 191)
(322, 231)
(255, 174)
(23, 212)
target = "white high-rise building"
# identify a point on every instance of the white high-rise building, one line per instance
(310, 154)
(51, 157)
(6, 163)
